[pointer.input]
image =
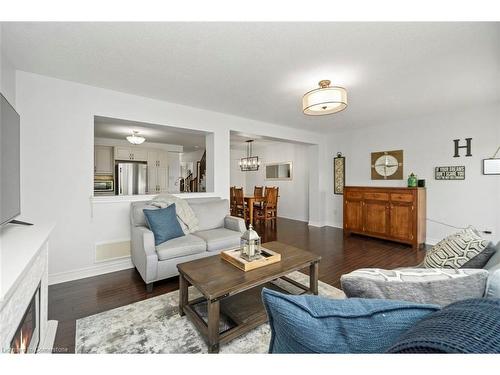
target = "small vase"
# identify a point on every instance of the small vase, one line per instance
(412, 180)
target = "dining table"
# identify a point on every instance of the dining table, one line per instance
(250, 200)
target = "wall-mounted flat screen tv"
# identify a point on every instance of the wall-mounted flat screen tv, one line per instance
(10, 196)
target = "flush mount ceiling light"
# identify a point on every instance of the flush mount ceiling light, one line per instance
(250, 163)
(324, 100)
(135, 139)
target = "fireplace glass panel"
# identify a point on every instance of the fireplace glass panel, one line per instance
(27, 336)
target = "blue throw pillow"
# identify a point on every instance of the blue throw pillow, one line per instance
(312, 324)
(163, 223)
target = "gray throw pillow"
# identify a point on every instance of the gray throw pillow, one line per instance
(455, 250)
(494, 262)
(480, 260)
(422, 285)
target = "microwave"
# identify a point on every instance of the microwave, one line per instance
(104, 185)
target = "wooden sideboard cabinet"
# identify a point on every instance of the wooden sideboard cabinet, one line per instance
(396, 214)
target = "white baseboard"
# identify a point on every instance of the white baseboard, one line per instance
(98, 269)
(334, 225)
(431, 241)
(292, 218)
(315, 224)
(325, 224)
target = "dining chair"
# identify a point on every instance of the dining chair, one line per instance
(240, 208)
(269, 209)
(232, 201)
(258, 193)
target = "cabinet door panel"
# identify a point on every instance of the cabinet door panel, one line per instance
(103, 160)
(122, 153)
(152, 184)
(162, 178)
(152, 158)
(402, 221)
(163, 159)
(353, 215)
(139, 154)
(376, 218)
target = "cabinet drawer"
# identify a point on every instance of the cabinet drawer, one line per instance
(400, 197)
(353, 195)
(377, 196)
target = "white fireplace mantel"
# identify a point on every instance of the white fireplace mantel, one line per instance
(23, 266)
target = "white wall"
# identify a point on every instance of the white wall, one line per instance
(57, 136)
(294, 194)
(193, 156)
(237, 177)
(428, 142)
(174, 172)
(7, 75)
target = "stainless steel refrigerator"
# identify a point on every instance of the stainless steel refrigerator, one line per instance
(131, 178)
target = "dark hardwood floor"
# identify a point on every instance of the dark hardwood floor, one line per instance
(77, 299)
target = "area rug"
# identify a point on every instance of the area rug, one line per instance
(155, 326)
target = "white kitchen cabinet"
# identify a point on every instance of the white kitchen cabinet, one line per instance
(122, 153)
(157, 179)
(139, 154)
(163, 159)
(157, 158)
(152, 185)
(131, 153)
(152, 158)
(157, 171)
(162, 179)
(103, 160)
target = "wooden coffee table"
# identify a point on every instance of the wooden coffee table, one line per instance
(233, 296)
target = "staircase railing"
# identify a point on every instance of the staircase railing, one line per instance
(194, 183)
(187, 183)
(203, 165)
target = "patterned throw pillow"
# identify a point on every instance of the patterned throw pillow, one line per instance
(455, 250)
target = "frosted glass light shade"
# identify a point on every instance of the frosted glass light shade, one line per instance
(324, 100)
(135, 139)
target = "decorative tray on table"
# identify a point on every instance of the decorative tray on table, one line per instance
(265, 258)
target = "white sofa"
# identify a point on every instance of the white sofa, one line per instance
(217, 231)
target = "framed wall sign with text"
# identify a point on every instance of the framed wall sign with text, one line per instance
(450, 173)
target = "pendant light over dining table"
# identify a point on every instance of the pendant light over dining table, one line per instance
(324, 100)
(249, 163)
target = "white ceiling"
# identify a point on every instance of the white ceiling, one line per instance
(261, 70)
(105, 127)
(238, 140)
